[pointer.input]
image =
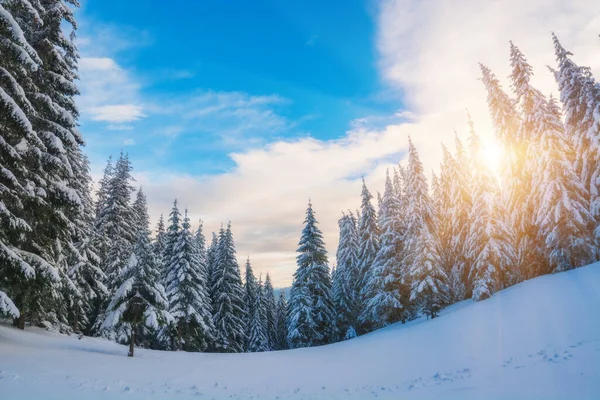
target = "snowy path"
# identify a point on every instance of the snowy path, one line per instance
(540, 339)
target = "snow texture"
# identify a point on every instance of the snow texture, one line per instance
(505, 347)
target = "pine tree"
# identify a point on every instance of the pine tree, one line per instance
(116, 222)
(530, 247)
(460, 205)
(160, 238)
(137, 312)
(189, 302)
(367, 251)
(507, 121)
(37, 150)
(385, 306)
(270, 311)
(88, 292)
(488, 243)
(580, 96)
(228, 296)
(257, 337)
(429, 291)
(250, 295)
(281, 333)
(346, 276)
(562, 207)
(211, 259)
(171, 238)
(311, 290)
(200, 241)
(139, 206)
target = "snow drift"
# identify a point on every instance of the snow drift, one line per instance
(536, 340)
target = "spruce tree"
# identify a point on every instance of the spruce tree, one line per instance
(250, 295)
(346, 277)
(460, 206)
(200, 241)
(257, 336)
(139, 206)
(186, 287)
(530, 248)
(270, 310)
(488, 244)
(171, 238)
(385, 306)
(228, 295)
(562, 207)
(116, 222)
(160, 238)
(429, 290)
(580, 97)
(311, 290)
(367, 251)
(137, 312)
(39, 141)
(281, 333)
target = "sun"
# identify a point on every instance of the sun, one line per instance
(492, 155)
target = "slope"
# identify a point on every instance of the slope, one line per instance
(536, 340)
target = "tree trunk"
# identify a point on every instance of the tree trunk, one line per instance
(20, 322)
(131, 341)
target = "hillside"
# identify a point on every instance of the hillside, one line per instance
(539, 339)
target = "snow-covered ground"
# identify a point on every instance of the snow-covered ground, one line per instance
(539, 339)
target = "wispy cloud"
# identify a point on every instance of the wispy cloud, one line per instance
(116, 113)
(128, 142)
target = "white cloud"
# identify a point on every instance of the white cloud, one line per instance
(116, 113)
(266, 194)
(109, 93)
(430, 51)
(128, 142)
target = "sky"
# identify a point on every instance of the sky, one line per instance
(244, 111)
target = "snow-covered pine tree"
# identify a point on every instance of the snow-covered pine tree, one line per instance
(429, 281)
(36, 172)
(257, 336)
(139, 206)
(580, 97)
(368, 246)
(301, 327)
(228, 295)
(460, 206)
(281, 333)
(530, 249)
(88, 292)
(200, 241)
(171, 238)
(385, 306)
(160, 239)
(270, 311)
(250, 295)
(137, 312)
(562, 207)
(211, 259)
(116, 222)
(488, 244)
(186, 287)
(346, 277)
(311, 290)
(506, 121)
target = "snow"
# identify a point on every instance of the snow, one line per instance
(536, 340)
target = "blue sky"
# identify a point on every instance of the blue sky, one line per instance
(243, 110)
(207, 78)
